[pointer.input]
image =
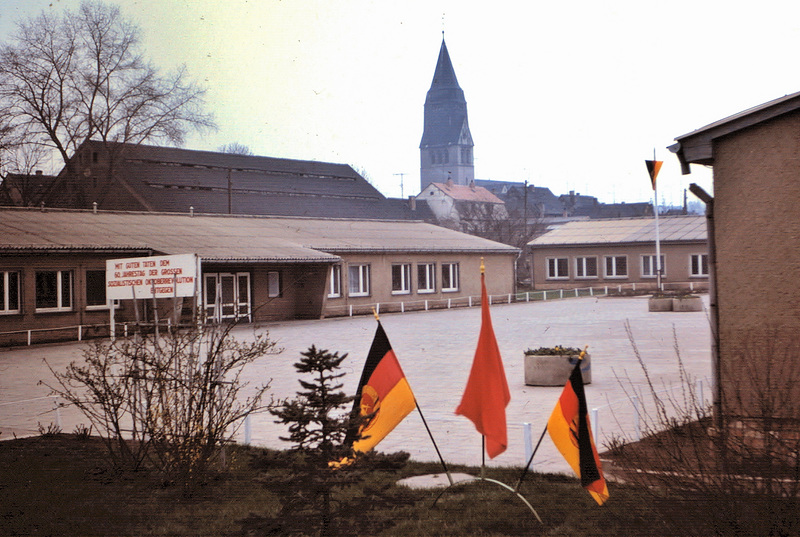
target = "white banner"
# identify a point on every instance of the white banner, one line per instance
(140, 277)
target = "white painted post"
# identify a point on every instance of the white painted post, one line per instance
(470, 301)
(544, 296)
(528, 440)
(560, 293)
(426, 305)
(576, 292)
(112, 325)
(596, 428)
(700, 398)
(351, 310)
(125, 326)
(57, 408)
(248, 429)
(448, 303)
(402, 307)
(636, 424)
(80, 333)
(634, 286)
(509, 298)
(29, 338)
(528, 296)
(378, 308)
(591, 291)
(490, 300)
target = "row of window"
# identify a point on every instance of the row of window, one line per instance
(616, 266)
(358, 279)
(54, 290)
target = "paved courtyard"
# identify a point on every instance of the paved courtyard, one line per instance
(435, 349)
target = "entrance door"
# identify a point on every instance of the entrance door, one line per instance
(227, 296)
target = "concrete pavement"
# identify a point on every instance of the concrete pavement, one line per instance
(435, 349)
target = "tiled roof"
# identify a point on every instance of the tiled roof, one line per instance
(467, 193)
(226, 238)
(625, 230)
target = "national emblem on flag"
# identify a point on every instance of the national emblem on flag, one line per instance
(571, 432)
(383, 393)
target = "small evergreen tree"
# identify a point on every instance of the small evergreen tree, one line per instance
(320, 426)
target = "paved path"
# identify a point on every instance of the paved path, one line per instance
(435, 349)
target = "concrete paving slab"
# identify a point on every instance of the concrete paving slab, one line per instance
(436, 349)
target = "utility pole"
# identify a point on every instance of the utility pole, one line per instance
(401, 183)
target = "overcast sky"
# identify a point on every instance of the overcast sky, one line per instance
(567, 95)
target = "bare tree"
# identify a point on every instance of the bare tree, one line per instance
(82, 75)
(235, 148)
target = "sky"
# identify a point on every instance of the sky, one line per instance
(566, 95)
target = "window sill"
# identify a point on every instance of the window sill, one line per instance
(425, 291)
(53, 310)
(450, 290)
(401, 293)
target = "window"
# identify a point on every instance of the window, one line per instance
(586, 267)
(617, 266)
(9, 292)
(358, 280)
(699, 265)
(557, 268)
(335, 282)
(96, 288)
(54, 290)
(273, 284)
(426, 278)
(449, 276)
(401, 279)
(649, 267)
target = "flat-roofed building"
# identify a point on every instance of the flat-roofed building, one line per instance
(253, 268)
(621, 252)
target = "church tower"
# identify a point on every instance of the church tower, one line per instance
(446, 146)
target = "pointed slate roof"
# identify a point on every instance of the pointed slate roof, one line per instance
(445, 105)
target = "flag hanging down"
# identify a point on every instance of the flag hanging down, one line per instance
(571, 432)
(383, 391)
(653, 167)
(486, 395)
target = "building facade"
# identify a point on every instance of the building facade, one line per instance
(621, 252)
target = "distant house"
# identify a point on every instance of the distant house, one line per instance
(24, 190)
(462, 207)
(755, 155)
(621, 252)
(253, 268)
(129, 177)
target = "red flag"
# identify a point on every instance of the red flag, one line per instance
(571, 432)
(653, 167)
(486, 395)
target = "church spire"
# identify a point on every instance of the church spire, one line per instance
(446, 146)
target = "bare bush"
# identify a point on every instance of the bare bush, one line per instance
(173, 400)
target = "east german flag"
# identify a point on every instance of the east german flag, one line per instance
(486, 395)
(653, 167)
(571, 432)
(383, 391)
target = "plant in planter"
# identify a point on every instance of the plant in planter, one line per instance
(551, 366)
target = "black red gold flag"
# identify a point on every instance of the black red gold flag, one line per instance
(653, 167)
(571, 432)
(383, 391)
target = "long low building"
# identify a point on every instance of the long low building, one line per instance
(253, 268)
(621, 252)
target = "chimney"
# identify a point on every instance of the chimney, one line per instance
(38, 172)
(449, 182)
(412, 202)
(191, 210)
(472, 185)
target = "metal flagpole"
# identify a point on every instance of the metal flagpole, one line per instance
(658, 239)
(425, 422)
(530, 460)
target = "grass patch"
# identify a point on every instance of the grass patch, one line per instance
(62, 485)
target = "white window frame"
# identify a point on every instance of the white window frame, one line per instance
(648, 265)
(405, 278)
(62, 303)
(426, 278)
(335, 282)
(450, 273)
(580, 268)
(358, 286)
(698, 259)
(614, 273)
(5, 283)
(554, 264)
(274, 284)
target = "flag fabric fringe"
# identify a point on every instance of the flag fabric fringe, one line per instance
(571, 432)
(486, 395)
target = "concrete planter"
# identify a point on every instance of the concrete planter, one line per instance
(554, 370)
(687, 303)
(657, 303)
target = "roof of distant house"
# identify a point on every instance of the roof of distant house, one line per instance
(691, 228)
(466, 193)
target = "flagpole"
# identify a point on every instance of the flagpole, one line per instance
(483, 455)
(425, 422)
(530, 460)
(658, 240)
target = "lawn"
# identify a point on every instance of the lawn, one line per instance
(62, 485)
